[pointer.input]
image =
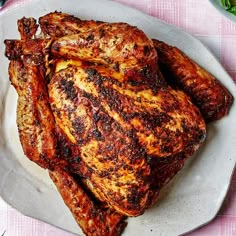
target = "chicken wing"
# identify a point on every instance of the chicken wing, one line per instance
(93, 221)
(207, 93)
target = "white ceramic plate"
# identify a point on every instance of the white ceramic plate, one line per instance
(195, 195)
(218, 6)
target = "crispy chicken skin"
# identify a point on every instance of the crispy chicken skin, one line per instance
(95, 109)
(57, 24)
(34, 117)
(207, 93)
(118, 45)
(84, 210)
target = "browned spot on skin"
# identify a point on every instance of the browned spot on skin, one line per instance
(68, 88)
(78, 126)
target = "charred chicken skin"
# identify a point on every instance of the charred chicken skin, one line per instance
(95, 110)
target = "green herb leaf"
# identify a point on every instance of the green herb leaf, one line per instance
(232, 10)
(226, 4)
(229, 5)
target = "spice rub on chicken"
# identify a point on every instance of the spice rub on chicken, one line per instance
(95, 110)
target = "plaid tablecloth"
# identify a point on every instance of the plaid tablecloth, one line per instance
(219, 34)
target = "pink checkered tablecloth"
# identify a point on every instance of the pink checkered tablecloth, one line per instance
(215, 31)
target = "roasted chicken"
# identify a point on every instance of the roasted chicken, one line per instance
(95, 110)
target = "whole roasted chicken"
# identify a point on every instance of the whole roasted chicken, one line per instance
(95, 110)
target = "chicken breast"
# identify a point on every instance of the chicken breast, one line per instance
(120, 129)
